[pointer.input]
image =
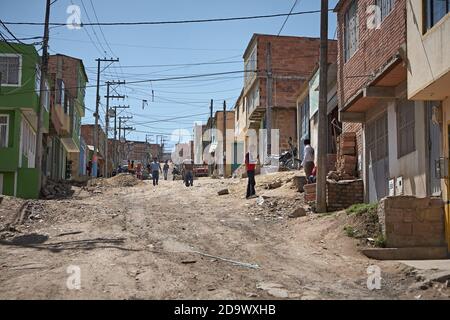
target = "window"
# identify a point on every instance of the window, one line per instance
(351, 31)
(434, 10)
(4, 130)
(60, 92)
(405, 128)
(10, 66)
(386, 7)
(37, 84)
(250, 66)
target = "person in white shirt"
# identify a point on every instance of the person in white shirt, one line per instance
(308, 158)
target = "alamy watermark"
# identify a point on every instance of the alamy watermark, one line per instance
(374, 277)
(73, 281)
(74, 19)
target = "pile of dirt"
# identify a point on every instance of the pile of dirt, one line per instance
(57, 190)
(119, 181)
(364, 225)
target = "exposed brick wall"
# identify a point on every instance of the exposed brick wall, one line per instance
(286, 121)
(376, 47)
(343, 194)
(87, 133)
(69, 71)
(408, 221)
(355, 127)
(290, 56)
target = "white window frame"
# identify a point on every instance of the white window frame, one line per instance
(19, 78)
(37, 83)
(250, 67)
(28, 138)
(7, 129)
(46, 96)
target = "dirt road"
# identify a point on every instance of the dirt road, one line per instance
(173, 242)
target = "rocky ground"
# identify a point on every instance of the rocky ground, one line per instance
(131, 240)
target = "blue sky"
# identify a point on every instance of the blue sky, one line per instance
(139, 48)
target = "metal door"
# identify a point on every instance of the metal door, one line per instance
(378, 158)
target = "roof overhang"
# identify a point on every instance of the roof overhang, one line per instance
(387, 84)
(70, 145)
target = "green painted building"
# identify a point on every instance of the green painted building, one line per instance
(19, 100)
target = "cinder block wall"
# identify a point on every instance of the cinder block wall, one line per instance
(408, 221)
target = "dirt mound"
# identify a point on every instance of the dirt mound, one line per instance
(57, 190)
(118, 181)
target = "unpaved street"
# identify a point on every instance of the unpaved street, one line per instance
(167, 242)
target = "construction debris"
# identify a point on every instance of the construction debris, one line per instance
(223, 192)
(57, 190)
(299, 212)
(273, 185)
(118, 181)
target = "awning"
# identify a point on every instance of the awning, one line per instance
(70, 145)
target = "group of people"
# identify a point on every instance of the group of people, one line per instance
(155, 168)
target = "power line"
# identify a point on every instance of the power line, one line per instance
(171, 21)
(287, 17)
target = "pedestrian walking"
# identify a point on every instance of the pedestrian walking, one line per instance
(156, 169)
(166, 169)
(308, 158)
(188, 166)
(250, 165)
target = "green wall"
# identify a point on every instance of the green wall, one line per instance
(27, 183)
(9, 157)
(8, 183)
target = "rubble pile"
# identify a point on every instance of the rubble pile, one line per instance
(273, 209)
(118, 181)
(56, 190)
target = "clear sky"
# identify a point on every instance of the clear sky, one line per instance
(140, 48)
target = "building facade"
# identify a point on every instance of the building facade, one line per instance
(68, 82)
(428, 27)
(393, 133)
(19, 109)
(275, 68)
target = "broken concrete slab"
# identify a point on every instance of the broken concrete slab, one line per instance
(273, 185)
(412, 253)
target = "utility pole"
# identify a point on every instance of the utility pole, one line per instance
(224, 133)
(269, 101)
(115, 133)
(107, 115)
(96, 115)
(40, 122)
(120, 131)
(321, 186)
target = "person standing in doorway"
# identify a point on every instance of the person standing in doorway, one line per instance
(166, 169)
(250, 165)
(156, 169)
(308, 158)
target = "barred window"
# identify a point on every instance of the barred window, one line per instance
(386, 7)
(10, 69)
(351, 31)
(405, 128)
(434, 11)
(4, 130)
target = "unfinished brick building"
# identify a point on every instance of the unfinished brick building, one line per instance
(276, 67)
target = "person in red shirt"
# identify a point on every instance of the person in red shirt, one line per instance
(250, 165)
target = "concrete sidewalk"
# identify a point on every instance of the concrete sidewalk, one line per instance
(428, 264)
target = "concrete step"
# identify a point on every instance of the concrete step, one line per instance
(412, 253)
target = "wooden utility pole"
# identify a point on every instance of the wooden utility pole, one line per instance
(224, 133)
(321, 185)
(107, 116)
(42, 95)
(269, 101)
(115, 133)
(96, 115)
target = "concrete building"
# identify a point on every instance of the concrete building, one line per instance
(19, 106)
(428, 29)
(276, 67)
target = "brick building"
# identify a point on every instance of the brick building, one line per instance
(139, 151)
(393, 133)
(276, 67)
